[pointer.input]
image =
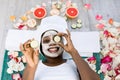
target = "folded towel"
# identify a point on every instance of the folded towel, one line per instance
(15, 37)
(85, 42)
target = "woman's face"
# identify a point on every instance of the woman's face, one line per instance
(49, 47)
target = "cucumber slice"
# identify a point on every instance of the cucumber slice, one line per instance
(74, 26)
(31, 23)
(34, 44)
(57, 39)
(79, 25)
(79, 21)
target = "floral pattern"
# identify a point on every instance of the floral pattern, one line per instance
(110, 43)
(15, 64)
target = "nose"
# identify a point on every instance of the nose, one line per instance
(52, 44)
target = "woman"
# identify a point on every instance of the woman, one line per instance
(55, 67)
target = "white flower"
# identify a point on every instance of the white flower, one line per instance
(104, 42)
(116, 61)
(99, 71)
(74, 5)
(21, 66)
(117, 77)
(23, 59)
(116, 24)
(13, 53)
(113, 31)
(19, 59)
(104, 51)
(112, 40)
(16, 25)
(9, 71)
(18, 67)
(117, 51)
(11, 63)
(15, 67)
(101, 35)
(107, 77)
(10, 52)
(111, 73)
(93, 67)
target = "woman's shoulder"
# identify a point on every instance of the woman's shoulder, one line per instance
(71, 62)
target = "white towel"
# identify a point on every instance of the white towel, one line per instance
(85, 42)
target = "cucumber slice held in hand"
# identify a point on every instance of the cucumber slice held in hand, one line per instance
(34, 44)
(57, 38)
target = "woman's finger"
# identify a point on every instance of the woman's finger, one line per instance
(68, 32)
(63, 34)
(62, 45)
(26, 45)
(36, 52)
(22, 48)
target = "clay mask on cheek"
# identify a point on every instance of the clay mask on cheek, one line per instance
(50, 48)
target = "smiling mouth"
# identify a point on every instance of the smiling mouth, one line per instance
(53, 49)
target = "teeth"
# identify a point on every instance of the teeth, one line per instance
(53, 49)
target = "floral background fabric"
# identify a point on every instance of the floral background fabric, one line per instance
(14, 64)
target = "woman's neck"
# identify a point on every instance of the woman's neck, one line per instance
(54, 61)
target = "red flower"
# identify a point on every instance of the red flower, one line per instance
(91, 58)
(117, 70)
(106, 59)
(107, 33)
(20, 27)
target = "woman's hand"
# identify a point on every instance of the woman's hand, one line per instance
(68, 47)
(30, 54)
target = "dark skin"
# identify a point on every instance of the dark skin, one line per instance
(54, 62)
(86, 73)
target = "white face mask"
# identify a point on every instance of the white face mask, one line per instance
(50, 48)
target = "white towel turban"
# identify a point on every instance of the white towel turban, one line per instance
(52, 22)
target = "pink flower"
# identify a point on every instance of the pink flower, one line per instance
(105, 67)
(16, 76)
(68, 3)
(91, 58)
(118, 28)
(10, 56)
(107, 33)
(106, 59)
(100, 26)
(117, 70)
(99, 17)
(87, 6)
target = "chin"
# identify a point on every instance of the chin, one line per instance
(53, 55)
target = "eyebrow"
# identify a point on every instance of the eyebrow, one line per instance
(45, 36)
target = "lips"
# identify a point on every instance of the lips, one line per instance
(53, 49)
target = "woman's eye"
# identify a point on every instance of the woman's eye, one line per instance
(47, 40)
